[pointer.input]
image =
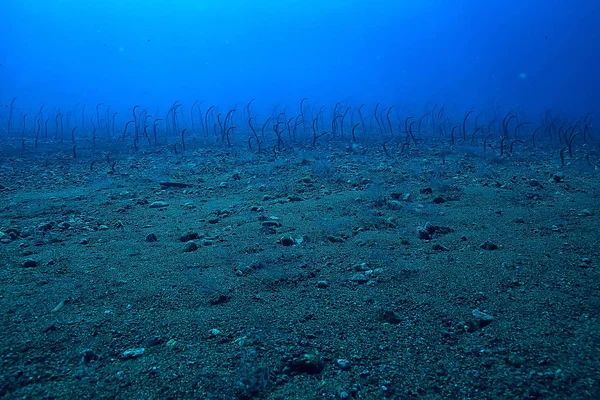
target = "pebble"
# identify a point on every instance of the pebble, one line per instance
(286, 240)
(439, 247)
(133, 353)
(482, 318)
(189, 205)
(87, 356)
(30, 263)
(343, 364)
(487, 245)
(64, 225)
(186, 237)
(243, 270)
(559, 177)
(159, 204)
(515, 360)
(423, 234)
(359, 278)
(307, 363)
(271, 224)
(385, 314)
(190, 246)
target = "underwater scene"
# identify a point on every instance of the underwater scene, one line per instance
(299, 199)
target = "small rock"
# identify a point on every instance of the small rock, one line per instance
(307, 363)
(87, 356)
(559, 177)
(151, 238)
(343, 364)
(30, 263)
(133, 353)
(384, 314)
(45, 226)
(361, 267)
(488, 246)
(286, 240)
(426, 232)
(219, 299)
(64, 225)
(439, 247)
(243, 270)
(159, 204)
(482, 318)
(270, 224)
(322, 284)
(189, 236)
(190, 246)
(437, 229)
(395, 205)
(423, 234)
(359, 278)
(515, 360)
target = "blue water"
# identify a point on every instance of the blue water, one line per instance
(299, 199)
(527, 55)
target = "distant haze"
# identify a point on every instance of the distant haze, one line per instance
(471, 53)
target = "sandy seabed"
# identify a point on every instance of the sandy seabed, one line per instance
(336, 272)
